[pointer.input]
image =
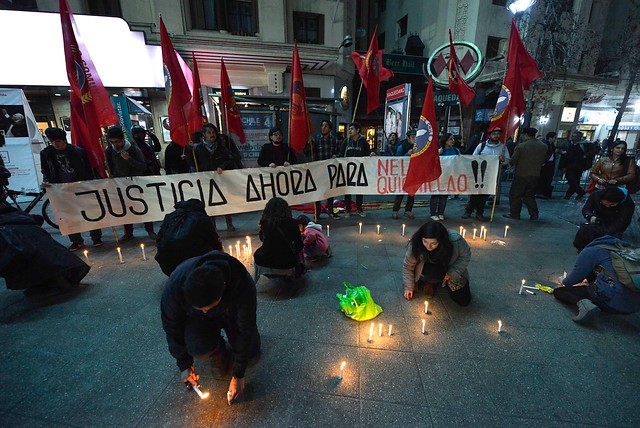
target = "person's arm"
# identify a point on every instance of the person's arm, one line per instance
(263, 157)
(595, 172)
(292, 159)
(586, 262)
(246, 323)
(155, 143)
(342, 152)
(457, 268)
(366, 149)
(168, 161)
(294, 233)
(309, 239)
(630, 173)
(136, 159)
(44, 166)
(88, 173)
(173, 322)
(516, 156)
(408, 272)
(621, 221)
(229, 162)
(589, 208)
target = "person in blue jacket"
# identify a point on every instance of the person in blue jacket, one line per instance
(593, 285)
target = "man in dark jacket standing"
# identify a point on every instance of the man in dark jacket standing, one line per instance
(579, 158)
(527, 159)
(212, 155)
(544, 189)
(126, 160)
(204, 295)
(63, 163)
(354, 146)
(276, 153)
(139, 133)
(324, 146)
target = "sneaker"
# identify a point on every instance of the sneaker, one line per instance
(75, 246)
(435, 218)
(480, 217)
(394, 215)
(441, 217)
(152, 235)
(467, 214)
(512, 217)
(335, 216)
(97, 243)
(409, 215)
(232, 228)
(126, 237)
(587, 312)
(361, 213)
(347, 215)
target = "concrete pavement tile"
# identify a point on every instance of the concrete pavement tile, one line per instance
(18, 421)
(321, 371)
(481, 339)
(447, 418)
(385, 414)
(454, 383)
(280, 363)
(390, 376)
(323, 410)
(388, 300)
(521, 388)
(400, 339)
(442, 337)
(390, 279)
(415, 308)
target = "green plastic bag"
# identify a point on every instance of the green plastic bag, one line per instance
(356, 303)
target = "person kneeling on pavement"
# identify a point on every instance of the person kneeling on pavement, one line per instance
(314, 245)
(594, 286)
(437, 257)
(204, 295)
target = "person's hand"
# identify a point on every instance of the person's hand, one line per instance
(501, 159)
(372, 154)
(333, 157)
(272, 165)
(613, 182)
(440, 150)
(286, 164)
(559, 280)
(125, 155)
(189, 376)
(408, 294)
(593, 219)
(447, 277)
(601, 181)
(219, 171)
(236, 387)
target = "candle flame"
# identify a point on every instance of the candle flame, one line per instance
(85, 252)
(118, 249)
(142, 246)
(342, 365)
(204, 396)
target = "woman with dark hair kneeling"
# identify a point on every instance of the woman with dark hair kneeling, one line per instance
(437, 257)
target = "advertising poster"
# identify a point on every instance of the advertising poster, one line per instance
(256, 128)
(397, 110)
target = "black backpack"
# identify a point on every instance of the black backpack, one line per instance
(187, 232)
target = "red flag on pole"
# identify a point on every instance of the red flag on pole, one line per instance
(179, 105)
(424, 165)
(299, 120)
(457, 84)
(371, 71)
(522, 71)
(230, 112)
(91, 107)
(197, 115)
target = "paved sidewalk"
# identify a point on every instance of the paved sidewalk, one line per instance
(98, 357)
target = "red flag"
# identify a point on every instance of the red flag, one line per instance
(424, 165)
(457, 84)
(372, 72)
(91, 107)
(230, 112)
(299, 120)
(197, 115)
(179, 94)
(522, 71)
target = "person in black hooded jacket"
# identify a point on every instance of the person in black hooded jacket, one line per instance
(202, 296)
(611, 209)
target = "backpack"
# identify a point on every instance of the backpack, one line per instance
(482, 146)
(187, 232)
(626, 265)
(634, 186)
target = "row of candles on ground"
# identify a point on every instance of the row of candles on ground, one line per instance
(242, 252)
(120, 258)
(463, 231)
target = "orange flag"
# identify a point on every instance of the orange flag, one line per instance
(230, 112)
(299, 120)
(197, 115)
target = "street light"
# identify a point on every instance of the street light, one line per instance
(346, 42)
(519, 6)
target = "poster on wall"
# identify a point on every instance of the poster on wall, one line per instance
(20, 140)
(397, 110)
(256, 126)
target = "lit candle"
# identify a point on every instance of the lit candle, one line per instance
(249, 245)
(380, 330)
(499, 326)
(328, 232)
(342, 369)
(461, 228)
(120, 255)
(404, 227)
(202, 395)
(144, 255)
(464, 232)
(506, 229)
(530, 292)
(370, 334)
(86, 256)
(474, 232)
(231, 250)
(390, 329)
(564, 275)
(426, 307)
(378, 226)
(229, 397)
(521, 286)
(237, 248)
(244, 251)
(484, 235)
(360, 226)
(424, 326)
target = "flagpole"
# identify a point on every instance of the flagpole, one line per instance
(461, 123)
(355, 107)
(504, 147)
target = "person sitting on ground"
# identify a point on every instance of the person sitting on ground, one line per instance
(315, 244)
(616, 169)
(438, 203)
(607, 212)
(437, 257)
(593, 285)
(31, 260)
(280, 235)
(204, 295)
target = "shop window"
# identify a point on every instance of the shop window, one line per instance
(502, 3)
(105, 8)
(495, 46)
(238, 17)
(402, 26)
(24, 5)
(308, 28)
